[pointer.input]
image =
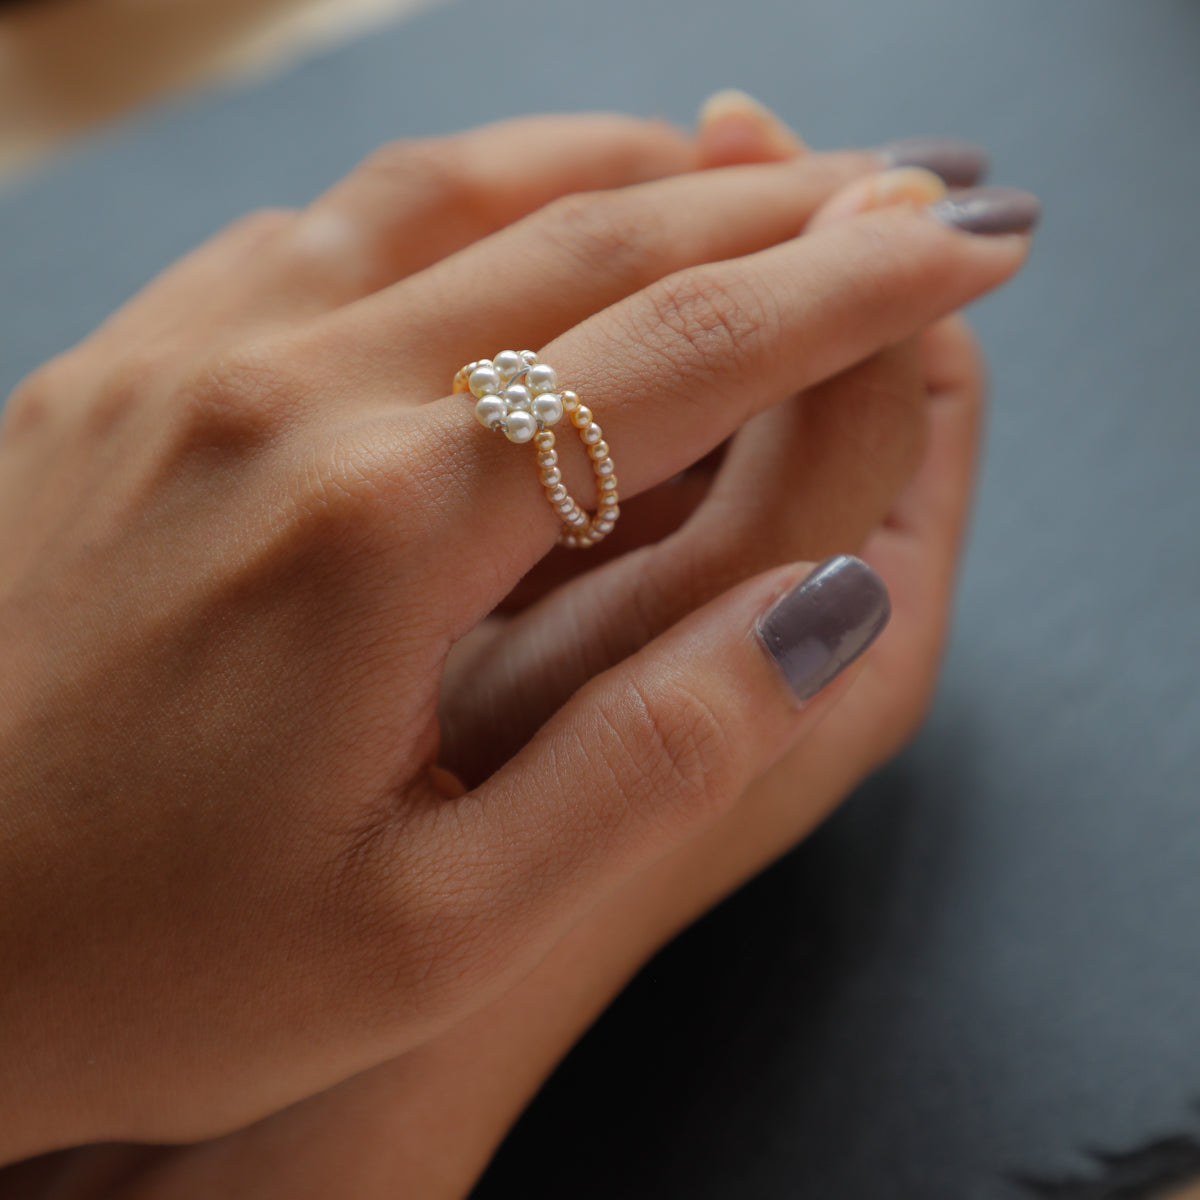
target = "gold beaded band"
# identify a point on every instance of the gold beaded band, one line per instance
(524, 412)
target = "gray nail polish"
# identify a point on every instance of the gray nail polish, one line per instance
(958, 162)
(824, 623)
(989, 210)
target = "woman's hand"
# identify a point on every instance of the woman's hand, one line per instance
(241, 542)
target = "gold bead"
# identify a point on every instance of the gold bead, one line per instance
(581, 418)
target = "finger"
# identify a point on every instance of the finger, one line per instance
(712, 347)
(653, 751)
(542, 275)
(934, 507)
(798, 459)
(414, 202)
(806, 479)
(733, 127)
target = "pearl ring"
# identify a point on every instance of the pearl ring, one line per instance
(518, 396)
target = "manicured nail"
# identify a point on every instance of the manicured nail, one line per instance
(823, 624)
(989, 210)
(958, 162)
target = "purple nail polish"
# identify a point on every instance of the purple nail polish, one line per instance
(824, 623)
(960, 163)
(989, 210)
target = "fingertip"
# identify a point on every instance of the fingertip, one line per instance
(733, 127)
(914, 186)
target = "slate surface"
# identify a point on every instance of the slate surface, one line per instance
(988, 960)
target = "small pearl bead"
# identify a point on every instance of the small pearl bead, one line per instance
(544, 440)
(517, 395)
(603, 526)
(529, 357)
(484, 380)
(548, 458)
(541, 378)
(570, 541)
(519, 426)
(604, 466)
(565, 506)
(551, 476)
(581, 418)
(599, 450)
(489, 412)
(585, 542)
(577, 518)
(507, 364)
(570, 402)
(548, 408)
(592, 434)
(608, 483)
(610, 514)
(556, 494)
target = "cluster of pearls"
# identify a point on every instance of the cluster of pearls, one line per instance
(523, 412)
(518, 409)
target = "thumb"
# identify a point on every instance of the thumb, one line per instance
(652, 751)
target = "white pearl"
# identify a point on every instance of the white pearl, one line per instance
(551, 476)
(557, 494)
(484, 380)
(489, 412)
(517, 395)
(610, 514)
(605, 467)
(541, 378)
(548, 408)
(603, 526)
(591, 435)
(507, 364)
(566, 506)
(519, 426)
(529, 357)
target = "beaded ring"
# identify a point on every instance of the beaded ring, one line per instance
(518, 396)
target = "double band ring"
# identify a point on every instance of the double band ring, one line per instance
(518, 396)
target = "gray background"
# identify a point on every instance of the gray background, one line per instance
(988, 961)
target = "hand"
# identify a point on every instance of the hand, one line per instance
(255, 716)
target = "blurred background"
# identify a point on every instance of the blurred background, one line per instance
(985, 968)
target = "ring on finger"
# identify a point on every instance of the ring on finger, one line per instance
(518, 396)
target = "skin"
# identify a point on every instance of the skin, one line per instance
(402, 956)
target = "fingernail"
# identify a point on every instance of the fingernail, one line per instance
(989, 210)
(958, 162)
(822, 625)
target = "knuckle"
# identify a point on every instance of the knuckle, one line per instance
(260, 225)
(609, 231)
(127, 387)
(670, 739)
(438, 172)
(34, 400)
(239, 401)
(707, 320)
